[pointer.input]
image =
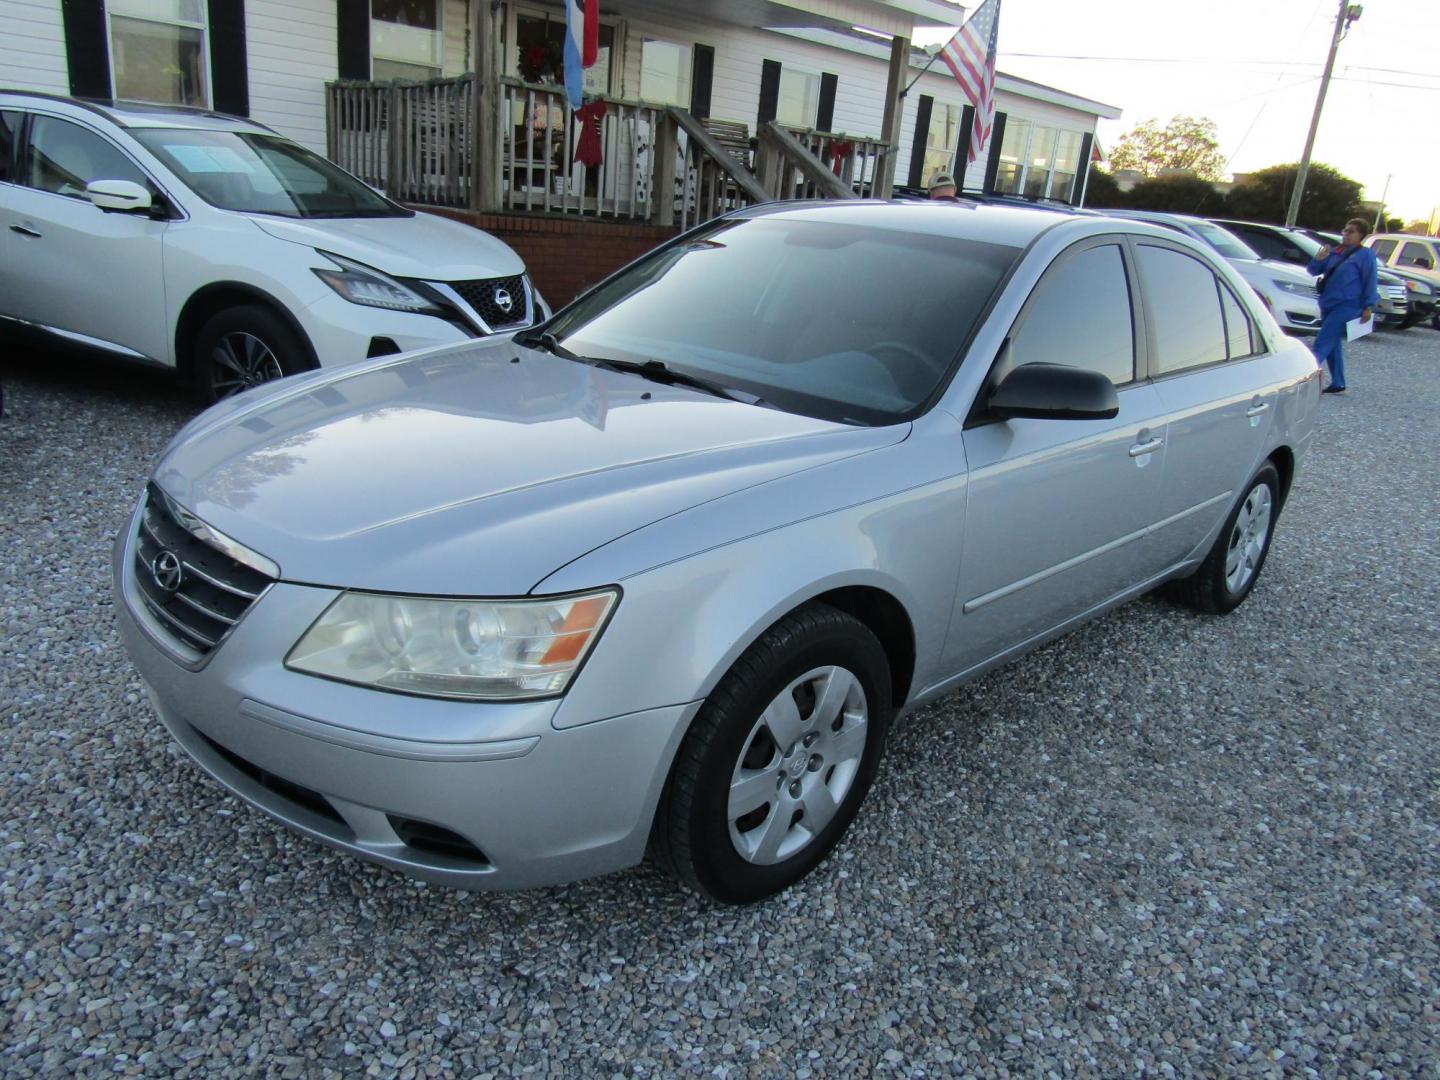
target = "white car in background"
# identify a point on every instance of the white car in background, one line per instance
(213, 245)
(1288, 293)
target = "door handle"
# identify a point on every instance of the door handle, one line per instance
(1256, 410)
(1141, 449)
(25, 231)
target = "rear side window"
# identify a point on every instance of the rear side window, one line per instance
(64, 157)
(1384, 249)
(1265, 245)
(1241, 338)
(1185, 306)
(9, 130)
(1079, 315)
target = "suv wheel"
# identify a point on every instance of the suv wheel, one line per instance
(243, 347)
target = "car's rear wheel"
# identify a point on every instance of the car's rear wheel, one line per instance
(778, 759)
(1234, 563)
(246, 346)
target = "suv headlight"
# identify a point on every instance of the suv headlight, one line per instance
(479, 650)
(1420, 288)
(1296, 287)
(361, 284)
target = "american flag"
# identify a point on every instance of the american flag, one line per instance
(970, 56)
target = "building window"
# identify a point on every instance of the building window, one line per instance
(157, 51)
(1037, 161)
(406, 39)
(539, 52)
(665, 72)
(799, 100)
(941, 143)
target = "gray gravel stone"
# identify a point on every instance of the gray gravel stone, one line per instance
(1166, 845)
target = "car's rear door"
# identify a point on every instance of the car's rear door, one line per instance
(10, 123)
(1058, 509)
(77, 268)
(1209, 363)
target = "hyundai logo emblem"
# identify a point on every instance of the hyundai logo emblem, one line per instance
(502, 298)
(166, 570)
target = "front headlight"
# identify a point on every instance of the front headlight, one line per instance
(1418, 288)
(361, 284)
(1295, 287)
(480, 650)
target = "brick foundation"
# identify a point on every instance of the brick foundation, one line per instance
(565, 255)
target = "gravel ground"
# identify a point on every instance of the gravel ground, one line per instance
(1165, 845)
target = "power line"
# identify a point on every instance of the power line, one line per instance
(1211, 61)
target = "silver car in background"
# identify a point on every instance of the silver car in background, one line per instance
(658, 575)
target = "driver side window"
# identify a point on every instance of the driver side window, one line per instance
(64, 157)
(1080, 315)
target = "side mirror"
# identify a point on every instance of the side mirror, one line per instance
(1291, 255)
(1424, 264)
(1053, 392)
(123, 196)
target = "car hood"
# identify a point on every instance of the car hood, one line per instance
(475, 469)
(424, 246)
(1268, 270)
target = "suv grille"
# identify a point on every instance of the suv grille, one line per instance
(204, 591)
(481, 294)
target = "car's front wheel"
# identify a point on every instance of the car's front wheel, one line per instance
(245, 346)
(778, 759)
(1234, 563)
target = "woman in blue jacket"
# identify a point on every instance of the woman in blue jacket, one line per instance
(1347, 291)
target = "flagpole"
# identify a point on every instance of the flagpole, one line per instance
(926, 68)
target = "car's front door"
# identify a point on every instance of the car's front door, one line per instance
(9, 138)
(1058, 509)
(74, 267)
(1209, 360)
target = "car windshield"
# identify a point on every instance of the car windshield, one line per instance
(859, 324)
(1224, 241)
(263, 174)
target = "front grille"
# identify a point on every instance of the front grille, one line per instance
(480, 295)
(209, 593)
(1394, 292)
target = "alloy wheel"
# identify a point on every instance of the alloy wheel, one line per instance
(797, 764)
(1248, 538)
(239, 361)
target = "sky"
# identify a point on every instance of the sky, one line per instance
(1252, 66)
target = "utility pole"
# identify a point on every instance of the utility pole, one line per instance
(1383, 196)
(1348, 14)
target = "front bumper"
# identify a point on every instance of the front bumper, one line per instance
(475, 796)
(343, 333)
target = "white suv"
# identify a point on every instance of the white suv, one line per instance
(213, 245)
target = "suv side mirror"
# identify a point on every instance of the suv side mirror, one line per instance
(1293, 256)
(1053, 392)
(119, 196)
(1423, 263)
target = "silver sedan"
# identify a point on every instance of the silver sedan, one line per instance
(658, 575)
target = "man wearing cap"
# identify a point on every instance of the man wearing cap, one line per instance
(942, 186)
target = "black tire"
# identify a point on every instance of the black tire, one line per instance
(1211, 588)
(246, 346)
(1435, 322)
(694, 837)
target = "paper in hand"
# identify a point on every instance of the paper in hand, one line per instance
(1358, 328)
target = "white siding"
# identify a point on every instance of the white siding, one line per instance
(32, 46)
(291, 53)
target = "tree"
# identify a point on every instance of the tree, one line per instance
(1331, 198)
(1186, 142)
(1175, 195)
(1101, 190)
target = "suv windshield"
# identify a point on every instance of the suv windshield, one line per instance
(1223, 241)
(852, 323)
(263, 174)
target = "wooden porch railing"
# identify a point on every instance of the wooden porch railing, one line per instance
(416, 141)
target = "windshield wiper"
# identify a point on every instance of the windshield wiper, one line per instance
(654, 370)
(658, 371)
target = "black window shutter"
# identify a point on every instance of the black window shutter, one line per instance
(962, 146)
(1082, 170)
(228, 65)
(86, 50)
(992, 148)
(702, 75)
(352, 38)
(825, 116)
(922, 136)
(769, 92)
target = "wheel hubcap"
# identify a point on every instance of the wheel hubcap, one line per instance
(798, 763)
(240, 361)
(1248, 538)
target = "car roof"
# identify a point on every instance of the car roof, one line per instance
(968, 219)
(145, 114)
